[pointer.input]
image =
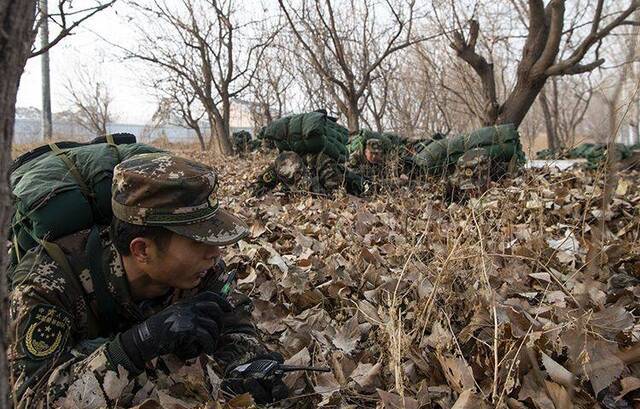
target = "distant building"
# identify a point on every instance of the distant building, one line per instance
(27, 127)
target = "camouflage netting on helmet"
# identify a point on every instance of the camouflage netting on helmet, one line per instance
(312, 132)
(502, 143)
(390, 141)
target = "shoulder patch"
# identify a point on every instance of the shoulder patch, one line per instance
(46, 331)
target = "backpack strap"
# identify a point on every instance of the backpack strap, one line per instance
(112, 142)
(96, 257)
(73, 169)
(55, 252)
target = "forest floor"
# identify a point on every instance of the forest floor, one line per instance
(526, 297)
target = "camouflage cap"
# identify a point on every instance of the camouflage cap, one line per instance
(374, 145)
(160, 189)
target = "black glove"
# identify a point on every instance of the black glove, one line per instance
(186, 328)
(264, 390)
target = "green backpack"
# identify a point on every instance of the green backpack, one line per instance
(502, 143)
(63, 188)
(312, 132)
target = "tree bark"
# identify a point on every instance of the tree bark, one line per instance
(16, 37)
(198, 132)
(353, 117)
(47, 127)
(519, 101)
(223, 126)
(214, 141)
(552, 137)
(221, 132)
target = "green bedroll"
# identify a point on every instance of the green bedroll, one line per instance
(62, 188)
(595, 153)
(502, 143)
(311, 132)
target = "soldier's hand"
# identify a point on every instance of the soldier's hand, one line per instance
(264, 389)
(186, 328)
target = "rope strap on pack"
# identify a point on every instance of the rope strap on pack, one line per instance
(111, 142)
(73, 169)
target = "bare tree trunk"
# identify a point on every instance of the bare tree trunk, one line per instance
(203, 147)
(266, 113)
(46, 82)
(224, 127)
(17, 17)
(353, 117)
(214, 141)
(520, 100)
(222, 135)
(552, 137)
(378, 122)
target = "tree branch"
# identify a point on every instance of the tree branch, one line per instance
(67, 30)
(552, 45)
(465, 49)
(566, 66)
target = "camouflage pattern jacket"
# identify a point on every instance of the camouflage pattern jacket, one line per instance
(315, 173)
(373, 171)
(58, 342)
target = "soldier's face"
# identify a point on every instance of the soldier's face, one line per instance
(373, 156)
(182, 264)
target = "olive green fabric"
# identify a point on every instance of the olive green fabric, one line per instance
(594, 153)
(312, 132)
(501, 142)
(50, 202)
(547, 154)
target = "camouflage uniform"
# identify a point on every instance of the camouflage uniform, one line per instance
(473, 173)
(62, 340)
(359, 163)
(378, 175)
(315, 173)
(242, 142)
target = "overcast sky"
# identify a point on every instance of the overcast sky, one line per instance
(132, 104)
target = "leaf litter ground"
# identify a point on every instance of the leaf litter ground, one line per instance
(524, 298)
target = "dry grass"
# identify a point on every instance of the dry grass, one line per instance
(416, 302)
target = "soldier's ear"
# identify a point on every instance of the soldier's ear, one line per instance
(140, 249)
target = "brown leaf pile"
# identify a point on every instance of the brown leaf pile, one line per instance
(524, 298)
